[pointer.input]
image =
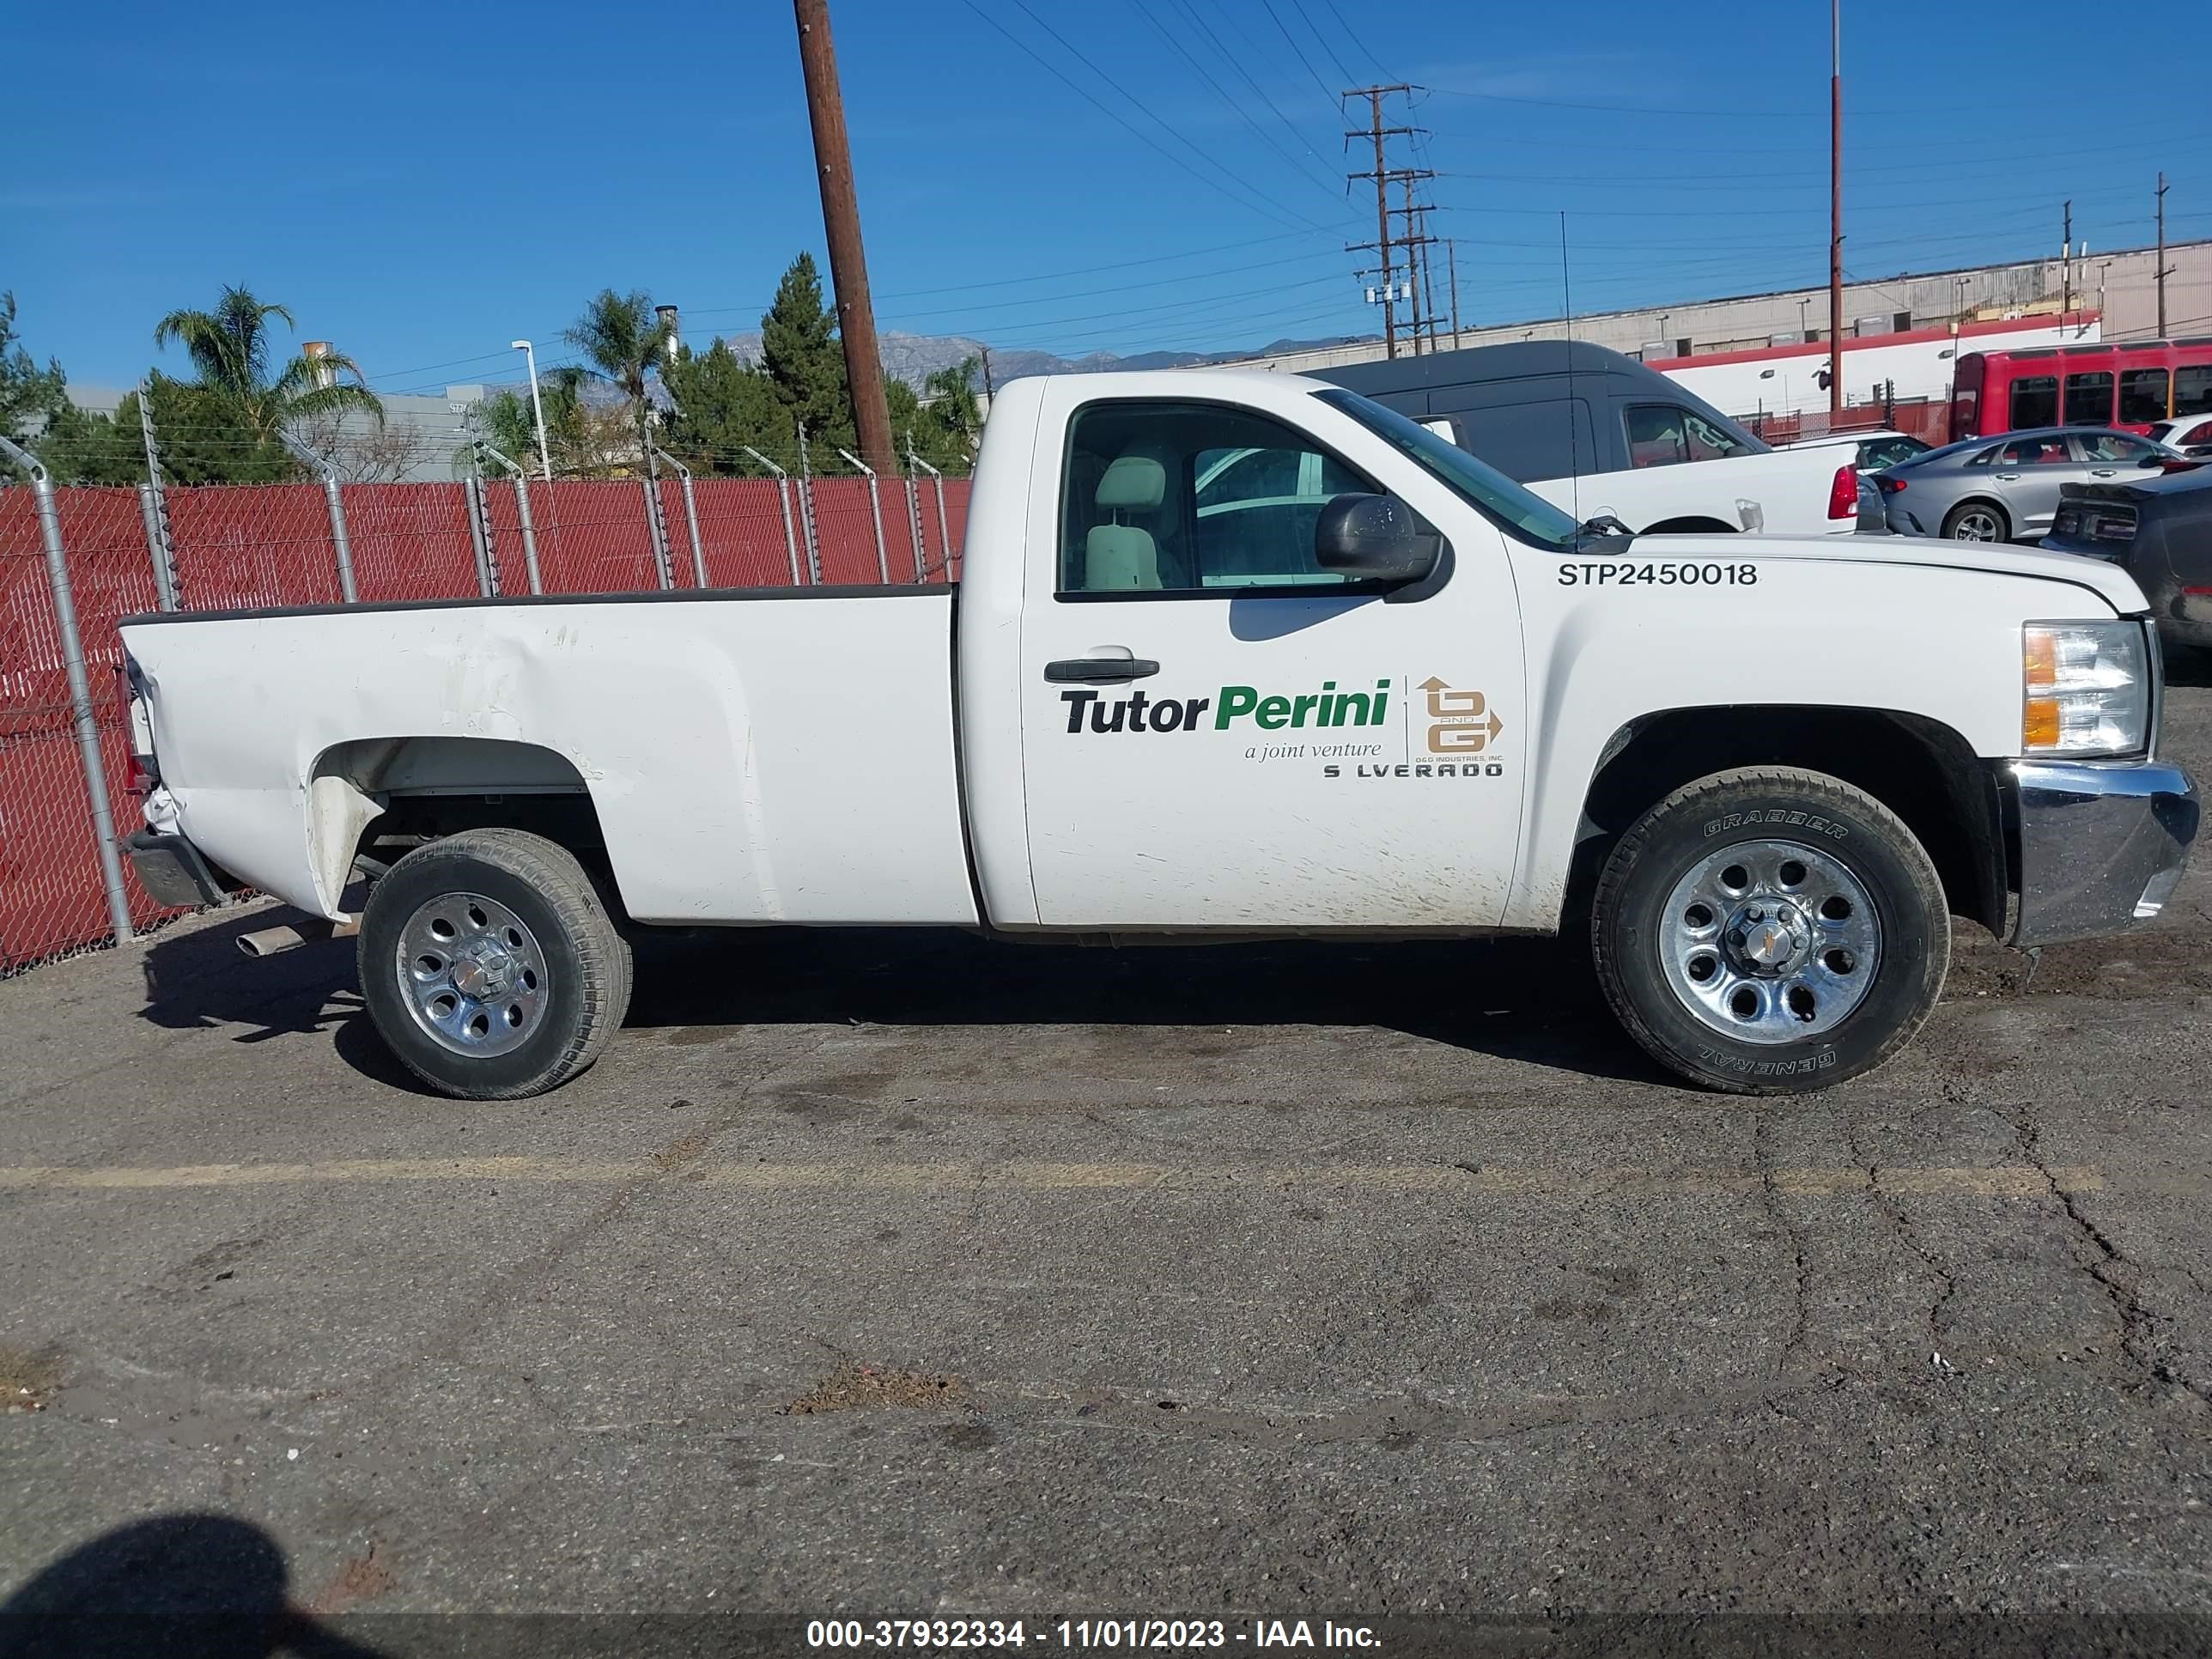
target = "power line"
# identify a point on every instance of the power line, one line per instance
(1213, 183)
(1358, 44)
(1235, 61)
(1234, 107)
(1327, 51)
(1299, 51)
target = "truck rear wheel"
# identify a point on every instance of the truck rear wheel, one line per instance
(491, 965)
(1770, 932)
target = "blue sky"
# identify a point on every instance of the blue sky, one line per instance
(421, 185)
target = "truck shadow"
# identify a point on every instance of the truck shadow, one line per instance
(1531, 1000)
(1524, 999)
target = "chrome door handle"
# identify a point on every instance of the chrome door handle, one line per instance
(2102, 472)
(2008, 477)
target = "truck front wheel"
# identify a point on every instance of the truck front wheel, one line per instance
(1770, 932)
(491, 965)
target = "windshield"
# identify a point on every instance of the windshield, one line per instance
(1489, 491)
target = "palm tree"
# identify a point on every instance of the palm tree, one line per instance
(621, 340)
(230, 347)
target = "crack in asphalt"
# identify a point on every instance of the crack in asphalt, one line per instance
(1901, 1226)
(1771, 1195)
(2117, 1275)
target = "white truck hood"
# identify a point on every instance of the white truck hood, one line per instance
(2108, 581)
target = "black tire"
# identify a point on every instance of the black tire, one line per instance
(1998, 516)
(578, 961)
(1841, 828)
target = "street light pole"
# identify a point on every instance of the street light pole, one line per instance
(537, 404)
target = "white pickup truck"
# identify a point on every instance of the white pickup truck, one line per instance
(1233, 654)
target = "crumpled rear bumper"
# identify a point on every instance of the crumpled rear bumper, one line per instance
(2102, 844)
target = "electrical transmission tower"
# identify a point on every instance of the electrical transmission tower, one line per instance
(1396, 228)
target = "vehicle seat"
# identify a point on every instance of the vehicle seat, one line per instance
(1119, 557)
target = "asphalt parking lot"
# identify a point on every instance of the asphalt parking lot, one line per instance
(904, 1276)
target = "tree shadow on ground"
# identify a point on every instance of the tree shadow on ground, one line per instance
(181, 1586)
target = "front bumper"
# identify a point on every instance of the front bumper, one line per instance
(2102, 844)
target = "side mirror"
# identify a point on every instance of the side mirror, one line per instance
(1374, 538)
(2152, 459)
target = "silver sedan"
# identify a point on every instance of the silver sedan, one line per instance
(2005, 487)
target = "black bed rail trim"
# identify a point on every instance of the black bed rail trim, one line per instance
(671, 596)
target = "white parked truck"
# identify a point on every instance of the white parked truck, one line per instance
(1232, 655)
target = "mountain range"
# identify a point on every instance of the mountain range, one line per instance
(913, 357)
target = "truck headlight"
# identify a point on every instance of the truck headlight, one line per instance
(2086, 689)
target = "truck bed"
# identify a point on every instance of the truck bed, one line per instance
(752, 756)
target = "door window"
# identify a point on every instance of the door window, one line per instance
(2142, 396)
(2192, 390)
(2089, 399)
(1666, 434)
(2114, 448)
(2035, 452)
(2035, 401)
(1192, 498)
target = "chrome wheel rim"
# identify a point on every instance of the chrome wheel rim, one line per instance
(471, 974)
(1770, 941)
(1978, 526)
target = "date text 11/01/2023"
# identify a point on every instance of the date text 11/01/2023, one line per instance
(1088, 1633)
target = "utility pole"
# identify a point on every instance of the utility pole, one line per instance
(1382, 243)
(1835, 209)
(841, 219)
(1414, 239)
(2066, 267)
(2163, 273)
(1428, 289)
(986, 373)
(1451, 252)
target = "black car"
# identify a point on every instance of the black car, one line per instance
(2159, 530)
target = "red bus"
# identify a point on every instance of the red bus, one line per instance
(2126, 386)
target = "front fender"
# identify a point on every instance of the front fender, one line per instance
(1940, 644)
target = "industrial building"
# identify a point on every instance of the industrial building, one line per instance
(2120, 288)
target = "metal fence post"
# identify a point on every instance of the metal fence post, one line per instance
(151, 514)
(875, 510)
(659, 532)
(485, 452)
(914, 504)
(80, 689)
(339, 539)
(783, 504)
(154, 508)
(691, 518)
(944, 525)
(690, 511)
(804, 490)
(480, 538)
(341, 544)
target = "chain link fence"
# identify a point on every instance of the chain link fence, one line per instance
(213, 547)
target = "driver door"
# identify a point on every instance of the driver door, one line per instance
(1218, 733)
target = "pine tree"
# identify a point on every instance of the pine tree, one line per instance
(799, 350)
(722, 405)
